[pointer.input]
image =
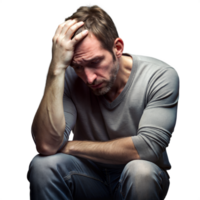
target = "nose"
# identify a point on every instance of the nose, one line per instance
(90, 76)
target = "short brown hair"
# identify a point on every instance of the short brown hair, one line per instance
(99, 23)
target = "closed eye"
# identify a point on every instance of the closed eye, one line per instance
(92, 63)
(95, 61)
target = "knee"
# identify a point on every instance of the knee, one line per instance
(42, 167)
(42, 163)
(142, 180)
(140, 172)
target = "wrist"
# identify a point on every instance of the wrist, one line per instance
(56, 69)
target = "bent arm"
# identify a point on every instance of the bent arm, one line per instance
(159, 117)
(118, 151)
(49, 122)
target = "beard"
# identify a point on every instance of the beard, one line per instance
(105, 89)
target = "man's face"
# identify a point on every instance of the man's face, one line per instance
(95, 65)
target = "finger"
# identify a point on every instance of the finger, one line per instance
(79, 37)
(59, 29)
(66, 27)
(73, 29)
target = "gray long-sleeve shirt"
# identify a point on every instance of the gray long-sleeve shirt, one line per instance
(146, 109)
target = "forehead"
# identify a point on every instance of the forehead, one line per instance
(88, 48)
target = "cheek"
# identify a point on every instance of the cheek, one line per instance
(108, 65)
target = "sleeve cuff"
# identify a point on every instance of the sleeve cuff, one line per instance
(143, 149)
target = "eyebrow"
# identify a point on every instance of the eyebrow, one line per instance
(89, 60)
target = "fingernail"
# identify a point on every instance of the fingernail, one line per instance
(85, 31)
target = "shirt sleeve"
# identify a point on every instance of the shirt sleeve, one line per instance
(159, 117)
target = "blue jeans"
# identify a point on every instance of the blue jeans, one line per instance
(66, 177)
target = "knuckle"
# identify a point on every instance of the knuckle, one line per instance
(71, 29)
(57, 40)
(60, 26)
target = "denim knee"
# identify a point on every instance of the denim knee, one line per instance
(143, 180)
(140, 170)
(43, 168)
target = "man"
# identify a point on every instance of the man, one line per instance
(121, 107)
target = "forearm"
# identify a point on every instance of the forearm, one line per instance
(49, 122)
(119, 151)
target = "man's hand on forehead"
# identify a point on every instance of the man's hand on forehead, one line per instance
(64, 44)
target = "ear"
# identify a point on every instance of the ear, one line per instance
(118, 47)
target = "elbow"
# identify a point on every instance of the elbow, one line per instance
(47, 144)
(48, 147)
(45, 150)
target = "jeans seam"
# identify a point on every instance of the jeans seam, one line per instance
(80, 174)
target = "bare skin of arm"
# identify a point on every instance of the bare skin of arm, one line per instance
(49, 122)
(118, 151)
